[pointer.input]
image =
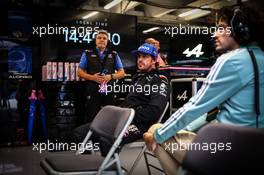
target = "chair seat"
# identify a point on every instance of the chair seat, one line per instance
(71, 163)
(109, 124)
(243, 154)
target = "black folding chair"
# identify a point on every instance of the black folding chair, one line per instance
(144, 152)
(232, 150)
(110, 123)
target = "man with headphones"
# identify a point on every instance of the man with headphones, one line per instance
(99, 66)
(235, 85)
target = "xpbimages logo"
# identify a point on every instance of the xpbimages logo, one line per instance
(59, 146)
(80, 34)
(62, 30)
(125, 88)
(204, 146)
(195, 30)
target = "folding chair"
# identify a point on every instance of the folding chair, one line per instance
(143, 151)
(146, 153)
(244, 156)
(110, 123)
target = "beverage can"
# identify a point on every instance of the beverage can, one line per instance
(54, 71)
(44, 73)
(60, 71)
(49, 71)
(66, 71)
(76, 69)
(72, 71)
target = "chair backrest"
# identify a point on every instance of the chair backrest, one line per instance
(164, 111)
(110, 121)
(225, 147)
(137, 160)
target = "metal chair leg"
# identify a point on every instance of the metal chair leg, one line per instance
(149, 164)
(137, 160)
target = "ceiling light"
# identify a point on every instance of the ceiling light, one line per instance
(89, 15)
(190, 12)
(112, 4)
(163, 13)
(150, 29)
(193, 11)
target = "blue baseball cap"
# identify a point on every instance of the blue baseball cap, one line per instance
(146, 49)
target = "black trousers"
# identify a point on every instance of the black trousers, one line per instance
(132, 134)
(95, 100)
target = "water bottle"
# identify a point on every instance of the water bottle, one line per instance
(32, 110)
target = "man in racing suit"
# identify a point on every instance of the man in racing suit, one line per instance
(148, 96)
(148, 104)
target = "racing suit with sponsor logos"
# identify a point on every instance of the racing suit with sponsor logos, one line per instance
(148, 98)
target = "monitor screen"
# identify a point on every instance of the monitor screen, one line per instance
(19, 25)
(20, 60)
(16, 50)
(66, 35)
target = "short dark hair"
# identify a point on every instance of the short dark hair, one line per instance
(225, 14)
(249, 16)
(103, 32)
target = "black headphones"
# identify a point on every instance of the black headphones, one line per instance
(240, 28)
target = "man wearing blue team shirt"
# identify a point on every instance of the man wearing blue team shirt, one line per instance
(97, 66)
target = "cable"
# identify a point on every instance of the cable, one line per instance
(256, 78)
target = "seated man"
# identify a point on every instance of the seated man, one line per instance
(231, 86)
(148, 96)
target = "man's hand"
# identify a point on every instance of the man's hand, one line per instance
(149, 137)
(107, 78)
(150, 141)
(98, 78)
